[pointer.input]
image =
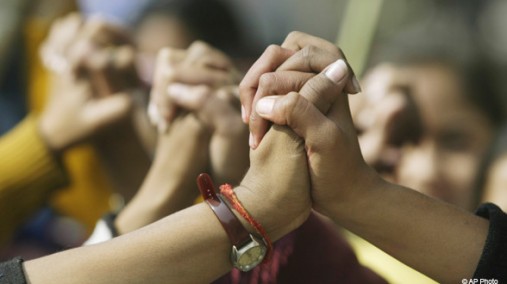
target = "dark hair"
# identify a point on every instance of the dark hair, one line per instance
(212, 21)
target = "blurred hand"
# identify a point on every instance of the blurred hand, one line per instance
(208, 94)
(198, 65)
(73, 114)
(386, 118)
(93, 70)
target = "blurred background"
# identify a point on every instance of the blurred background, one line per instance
(262, 22)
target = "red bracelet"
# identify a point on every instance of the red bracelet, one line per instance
(227, 191)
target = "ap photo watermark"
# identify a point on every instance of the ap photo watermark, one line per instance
(480, 281)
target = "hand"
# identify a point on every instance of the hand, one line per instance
(217, 111)
(82, 102)
(275, 189)
(93, 50)
(299, 52)
(320, 115)
(73, 114)
(72, 37)
(386, 118)
(200, 64)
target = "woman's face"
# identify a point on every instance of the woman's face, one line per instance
(455, 135)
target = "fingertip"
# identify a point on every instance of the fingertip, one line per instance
(356, 86)
(244, 116)
(252, 141)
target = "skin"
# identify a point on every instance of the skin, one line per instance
(94, 76)
(283, 169)
(192, 239)
(207, 136)
(398, 220)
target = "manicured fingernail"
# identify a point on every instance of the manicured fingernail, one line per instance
(265, 105)
(356, 85)
(337, 71)
(251, 141)
(177, 90)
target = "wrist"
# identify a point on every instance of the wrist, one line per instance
(267, 212)
(345, 206)
(53, 139)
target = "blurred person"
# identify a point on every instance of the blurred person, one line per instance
(444, 83)
(169, 23)
(417, 97)
(80, 201)
(77, 112)
(399, 220)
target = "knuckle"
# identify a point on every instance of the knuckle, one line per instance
(308, 51)
(294, 35)
(243, 87)
(273, 50)
(293, 106)
(267, 81)
(307, 54)
(163, 54)
(199, 46)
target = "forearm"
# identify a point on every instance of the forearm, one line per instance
(433, 237)
(171, 182)
(187, 247)
(124, 158)
(158, 197)
(232, 162)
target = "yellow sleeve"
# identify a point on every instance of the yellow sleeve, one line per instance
(28, 174)
(385, 265)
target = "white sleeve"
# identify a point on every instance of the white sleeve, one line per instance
(100, 234)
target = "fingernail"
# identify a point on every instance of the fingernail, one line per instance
(265, 105)
(356, 85)
(251, 141)
(337, 71)
(176, 90)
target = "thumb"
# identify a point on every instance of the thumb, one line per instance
(105, 111)
(325, 88)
